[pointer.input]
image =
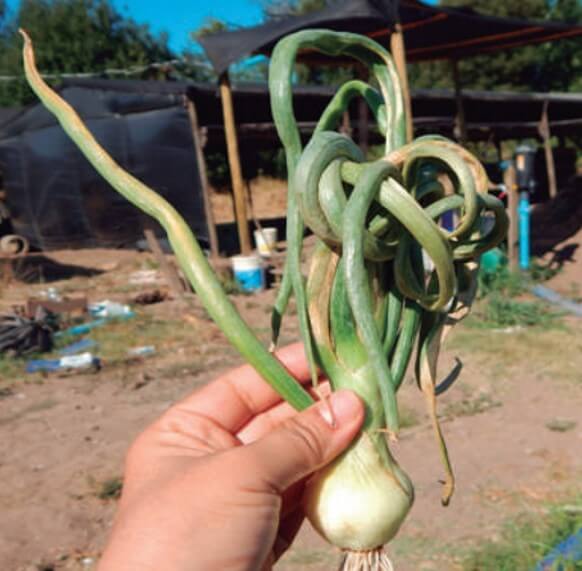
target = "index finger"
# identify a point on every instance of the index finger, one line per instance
(236, 397)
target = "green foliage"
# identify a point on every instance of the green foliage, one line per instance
(110, 489)
(75, 36)
(528, 540)
(503, 281)
(210, 26)
(511, 283)
(552, 66)
(501, 311)
(276, 9)
(269, 162)
(470, 406)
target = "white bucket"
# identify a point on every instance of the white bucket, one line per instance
(248, 272)
(266, 241)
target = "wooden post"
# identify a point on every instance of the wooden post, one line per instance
(399, 54)
(460, 129)
(363, 74)
(363, 131)
(346, 127)
(509, 179)
(544, 131)
(204, 186)
(238, 186)
(169, 271)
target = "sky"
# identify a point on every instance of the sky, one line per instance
(180, 17)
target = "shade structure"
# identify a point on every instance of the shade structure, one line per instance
(58, 200)
(429, 32)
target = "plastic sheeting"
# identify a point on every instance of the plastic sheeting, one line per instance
(430, 32)
(58, 200)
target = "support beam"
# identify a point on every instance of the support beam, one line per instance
(363, 130)
(510, 182)
(346, 127)
(399, 54)
(544, 131)
(204, 186)
(238, 187)
(169, 271)
(460, 129)
(363, 74)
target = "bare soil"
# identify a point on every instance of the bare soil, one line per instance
(268, 197)
(63, 437)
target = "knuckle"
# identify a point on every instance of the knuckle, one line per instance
(307, 440)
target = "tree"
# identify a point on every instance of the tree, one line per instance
(276, 9)
(74, 36)
(551, 66)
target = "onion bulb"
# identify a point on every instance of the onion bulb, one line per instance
(359, 501)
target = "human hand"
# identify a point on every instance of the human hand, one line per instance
(216, 482)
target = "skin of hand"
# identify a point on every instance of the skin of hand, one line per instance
(216, 482)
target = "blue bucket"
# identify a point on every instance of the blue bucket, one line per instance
(248, 272)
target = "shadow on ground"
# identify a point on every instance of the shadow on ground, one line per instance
(555, 221)
(35, 268)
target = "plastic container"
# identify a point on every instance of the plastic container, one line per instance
(492, 260)
(143, 351)
(78, 347)
(249, 272)
(82, 328)
(266, 241)
(69, 362)
(108, 308)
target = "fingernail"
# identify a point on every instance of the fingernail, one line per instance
(345, 406)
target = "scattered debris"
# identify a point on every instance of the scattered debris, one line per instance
(82, 328)
(69, 362)
(108, 308)
(145, 277)
(143, 351)
(551, 296)
(512, 329)
(20, 335)
(151, 297)
(66, 307)
(567, 551)
(78, 347)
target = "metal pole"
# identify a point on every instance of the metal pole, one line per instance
(524, 230)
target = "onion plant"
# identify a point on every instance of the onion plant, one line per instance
(370, 302)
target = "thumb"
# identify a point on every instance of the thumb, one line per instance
(304, 443)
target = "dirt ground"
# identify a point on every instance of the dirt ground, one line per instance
(268, 197)
(512, 423)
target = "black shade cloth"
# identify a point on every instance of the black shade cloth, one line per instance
(58, 200)
(429, 32)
